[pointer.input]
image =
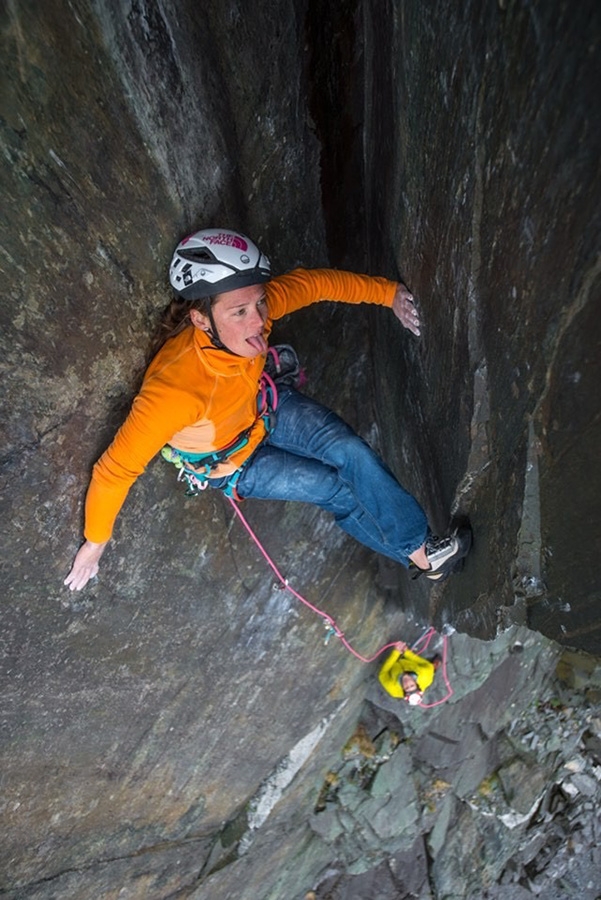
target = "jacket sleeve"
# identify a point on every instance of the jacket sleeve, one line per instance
(390, 684)
(152, 421)
(302, 287)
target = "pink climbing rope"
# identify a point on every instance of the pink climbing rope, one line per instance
(330, 622)
(267, 384)
(427, 637)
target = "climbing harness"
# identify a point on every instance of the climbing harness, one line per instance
(282, 367)
(196, 469)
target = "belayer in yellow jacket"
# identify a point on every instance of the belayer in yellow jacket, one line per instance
(199, 396)
(404, 674)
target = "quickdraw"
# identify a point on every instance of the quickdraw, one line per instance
(197, 479)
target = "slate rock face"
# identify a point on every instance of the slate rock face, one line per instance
(171, 729)
(492, 145)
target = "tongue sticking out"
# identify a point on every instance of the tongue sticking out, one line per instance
(258, 343)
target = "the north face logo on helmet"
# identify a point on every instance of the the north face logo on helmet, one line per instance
(229, 240)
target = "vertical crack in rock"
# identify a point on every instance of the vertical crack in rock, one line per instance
(528, 581)
(479, 455)
(335, 103)
(143, 714)
(581, 299)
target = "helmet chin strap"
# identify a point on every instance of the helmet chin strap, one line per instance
(214, 334)
(216, 342)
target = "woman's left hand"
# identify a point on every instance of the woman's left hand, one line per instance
(404, 309)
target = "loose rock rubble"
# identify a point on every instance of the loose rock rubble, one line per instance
(496, 794)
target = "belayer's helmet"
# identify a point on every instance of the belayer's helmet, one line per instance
(215, 260)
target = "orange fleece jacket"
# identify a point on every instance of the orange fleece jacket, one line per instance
(198, 398)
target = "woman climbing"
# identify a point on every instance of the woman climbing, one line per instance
(200, 396)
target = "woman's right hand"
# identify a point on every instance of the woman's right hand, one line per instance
(85, 565)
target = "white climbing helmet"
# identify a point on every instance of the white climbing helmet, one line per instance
(414, 699)
(215, 260)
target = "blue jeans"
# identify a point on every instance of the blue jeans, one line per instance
(313, 456)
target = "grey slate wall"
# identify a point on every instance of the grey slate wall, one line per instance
(140, 717)
(488, 129)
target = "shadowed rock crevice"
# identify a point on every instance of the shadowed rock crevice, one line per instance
(335, 102)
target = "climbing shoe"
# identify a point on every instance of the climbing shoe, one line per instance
(446, 555)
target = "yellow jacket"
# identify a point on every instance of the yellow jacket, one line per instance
(198, 398)
(397, 664)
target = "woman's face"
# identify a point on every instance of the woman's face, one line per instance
(240, 318)
(409, 684)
